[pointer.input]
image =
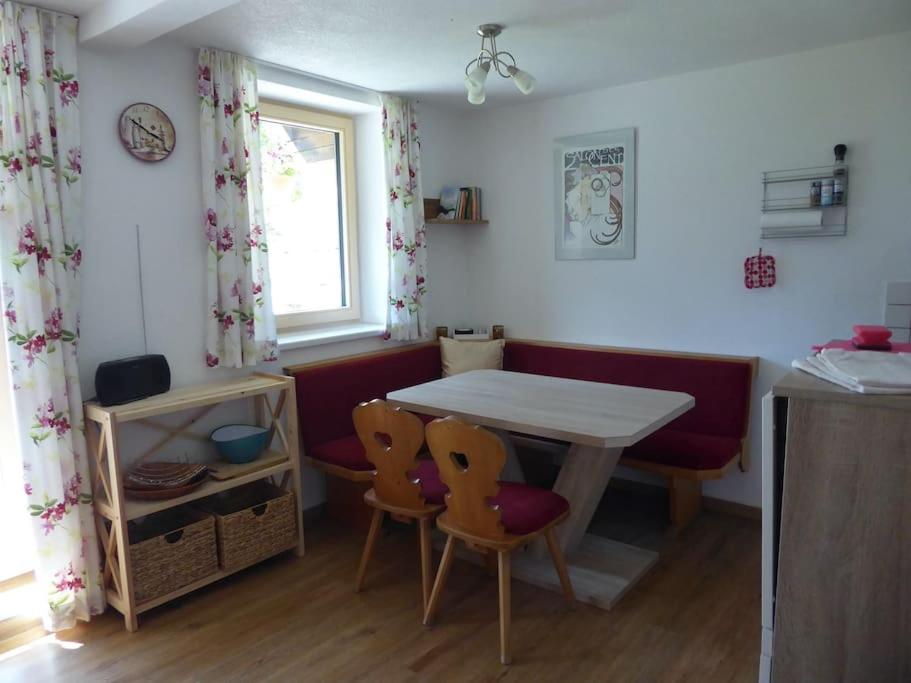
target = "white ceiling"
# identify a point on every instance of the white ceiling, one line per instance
(420, 47)
(76, 7)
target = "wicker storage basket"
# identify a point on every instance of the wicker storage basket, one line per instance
(252, 522)
(171, 549)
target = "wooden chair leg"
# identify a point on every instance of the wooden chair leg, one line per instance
(505, 606)
(685, 501)
(376, 524)
(426, 562)
(442, 575)
(560, 565)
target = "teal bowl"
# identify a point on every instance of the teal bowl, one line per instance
(239, 444)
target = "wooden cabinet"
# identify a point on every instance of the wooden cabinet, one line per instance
(836, 534)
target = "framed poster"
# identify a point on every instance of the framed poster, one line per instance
(596, 195)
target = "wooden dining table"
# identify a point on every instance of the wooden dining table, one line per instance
(598, 421)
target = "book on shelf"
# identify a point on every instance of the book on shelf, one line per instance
(469, 204)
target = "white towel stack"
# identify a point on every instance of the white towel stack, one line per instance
(866, 372)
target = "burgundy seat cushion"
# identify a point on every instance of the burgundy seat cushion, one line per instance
(328, 392)
(432, 487)
(685, 449)
(721, 387)
(347, 452)
(525, 509)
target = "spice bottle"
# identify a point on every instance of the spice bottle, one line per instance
(815, 189)
(839, 175)
(826, 193)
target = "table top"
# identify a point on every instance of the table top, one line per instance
(589, 413)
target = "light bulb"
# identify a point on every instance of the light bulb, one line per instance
(524, 81)
(478, 75)
(476, 95)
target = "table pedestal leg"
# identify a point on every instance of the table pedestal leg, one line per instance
(601, 570)
(582, 481)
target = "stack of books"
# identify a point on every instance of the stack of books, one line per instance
(462, 204)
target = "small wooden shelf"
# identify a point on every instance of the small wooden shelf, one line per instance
(452, 221)
(113, 509)
(141, 508)
(432, 208)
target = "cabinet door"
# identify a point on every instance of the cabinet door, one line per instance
(843, 608)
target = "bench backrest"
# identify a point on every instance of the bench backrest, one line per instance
(721, 385)
(327, 391)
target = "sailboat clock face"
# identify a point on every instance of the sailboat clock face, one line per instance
(146, 132)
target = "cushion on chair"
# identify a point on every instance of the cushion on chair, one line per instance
(525, 509)
(685, 449)
(432, 487)
(347, 452)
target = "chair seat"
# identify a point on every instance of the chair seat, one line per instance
(427, 475)
(347, 452)
(525, 509)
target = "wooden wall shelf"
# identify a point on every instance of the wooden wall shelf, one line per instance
(113, 509)
(432, 208)
(450, 221)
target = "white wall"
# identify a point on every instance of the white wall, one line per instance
(446, 160)
(165, 200)
(704, 138)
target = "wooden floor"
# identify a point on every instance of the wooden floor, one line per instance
(695, 617)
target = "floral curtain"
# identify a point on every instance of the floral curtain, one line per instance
(40, 203)
(240, 325)
(405, 233)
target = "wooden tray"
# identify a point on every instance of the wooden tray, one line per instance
(163, 475)
(163, 494)
(225, 470)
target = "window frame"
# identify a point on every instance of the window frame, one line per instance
(297, 115)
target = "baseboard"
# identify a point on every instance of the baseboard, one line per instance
(729, 507)
(726, 507)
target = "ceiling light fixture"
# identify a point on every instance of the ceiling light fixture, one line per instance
(477, 70)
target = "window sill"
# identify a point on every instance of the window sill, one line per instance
(299, 339)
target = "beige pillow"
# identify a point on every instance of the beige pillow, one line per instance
(462, 356)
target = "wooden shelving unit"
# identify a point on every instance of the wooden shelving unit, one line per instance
(432, 208)
(113, 509)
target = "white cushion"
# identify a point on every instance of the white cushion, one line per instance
(462, 356)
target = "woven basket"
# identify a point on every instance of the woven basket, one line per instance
(170, 550)
(252, 523)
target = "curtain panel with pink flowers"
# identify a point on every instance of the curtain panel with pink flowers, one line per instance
(240, 325)
(40, 260)
(405, 233)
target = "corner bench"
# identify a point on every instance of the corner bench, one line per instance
(705, 443)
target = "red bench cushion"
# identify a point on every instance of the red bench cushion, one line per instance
(427, 475)
(327, 393)
(525, 509)
(347, 452)
(685, 449)
(721, 387)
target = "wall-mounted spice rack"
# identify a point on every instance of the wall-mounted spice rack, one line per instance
(791, 207)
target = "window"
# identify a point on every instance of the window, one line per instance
(309, 207)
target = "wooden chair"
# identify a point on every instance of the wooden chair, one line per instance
(489, 515)
(405, 487)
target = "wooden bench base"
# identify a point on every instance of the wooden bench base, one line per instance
(684, 486)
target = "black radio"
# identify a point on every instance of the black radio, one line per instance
(129, 379)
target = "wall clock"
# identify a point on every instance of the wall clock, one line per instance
(146, 132)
